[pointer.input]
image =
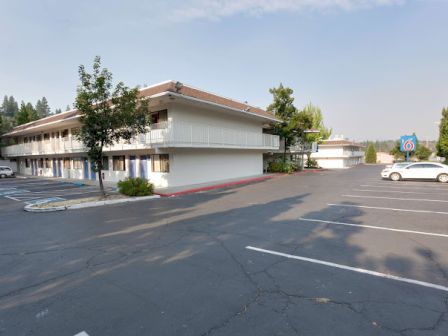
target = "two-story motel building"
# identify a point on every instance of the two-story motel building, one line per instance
(195, 137)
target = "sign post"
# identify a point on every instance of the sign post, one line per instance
(408, 143)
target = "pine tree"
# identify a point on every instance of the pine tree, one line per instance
(370, 154)
(9, 106)
(26, 114)
(442, 143)
(42, 108)
(57, 111)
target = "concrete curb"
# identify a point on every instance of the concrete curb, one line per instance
(33, 208)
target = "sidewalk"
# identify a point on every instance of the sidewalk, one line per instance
(192, 188)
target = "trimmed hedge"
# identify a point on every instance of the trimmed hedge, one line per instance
(281, 166)
(135, 186)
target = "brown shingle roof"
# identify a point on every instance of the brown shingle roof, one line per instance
(169, 86)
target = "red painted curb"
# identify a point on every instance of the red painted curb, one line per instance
(216, 186)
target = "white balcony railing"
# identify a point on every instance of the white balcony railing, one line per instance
(167, 134)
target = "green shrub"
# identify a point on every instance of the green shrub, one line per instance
(135, 186)
(279, 166)
(311, 163)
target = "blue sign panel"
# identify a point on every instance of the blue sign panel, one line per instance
(408, 143)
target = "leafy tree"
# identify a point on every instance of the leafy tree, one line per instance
(42, 108)
(26, 114)
(442, 143)
(107, 114)
(423, 153)
(9, 106)
(283, 108)
(370, 154)
(317, 123)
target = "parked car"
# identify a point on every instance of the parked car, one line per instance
(419, 170)
(398, 165)
(6, 171)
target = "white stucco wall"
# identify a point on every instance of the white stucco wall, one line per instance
(188, 114)
(200, 166)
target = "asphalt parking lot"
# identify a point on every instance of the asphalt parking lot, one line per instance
(329, 253)
(31, 190)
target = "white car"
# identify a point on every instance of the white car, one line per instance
(6, 171)
(398, 165)
(418, 170)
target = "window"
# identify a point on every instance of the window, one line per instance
(48, 163)
(25, 140)
(65, 133)
(46, 136)
(27, 163)
(77, 163)
(105, 163)
(66, 163)
(430, 165)
(160, 163)
(159, 116)
(119, 162)
(416, 166)
(40, 163)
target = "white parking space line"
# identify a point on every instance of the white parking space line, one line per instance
(349, 268)
(13, 198)
(399, 192)
(385, 208)
(375, 227)
(69, 189)
(397, 198)
(435, 186)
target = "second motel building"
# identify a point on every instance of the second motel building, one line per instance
(195, 137)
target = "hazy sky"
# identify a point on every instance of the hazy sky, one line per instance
(377, 68)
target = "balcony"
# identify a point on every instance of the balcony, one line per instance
(162, 135)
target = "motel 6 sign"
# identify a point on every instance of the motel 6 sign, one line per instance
(408, 143)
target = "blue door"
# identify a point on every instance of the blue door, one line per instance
(92, 172)
(132, 166)
(86, 168)
(55, 172)
(32, 167)
(59, 168)
(143, 167)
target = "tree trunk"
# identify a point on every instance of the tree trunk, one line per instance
(284, 151)
(308, 157)
(100, 179)
(99, 166)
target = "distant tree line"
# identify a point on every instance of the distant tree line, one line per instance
(12, 114)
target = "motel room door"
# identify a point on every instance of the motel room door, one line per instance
(59, 161)
(132, 166)
(55, 171)
(34, 167)
(144, 167)
(92, 172)
(86, 168)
